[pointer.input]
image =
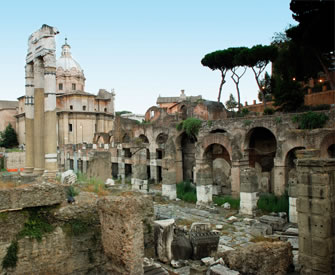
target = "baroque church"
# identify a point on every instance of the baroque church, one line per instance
(79, 114)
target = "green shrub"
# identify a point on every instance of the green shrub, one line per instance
(234, 203)
(247, 122)
(36, 225)
(10, 258)
(245, 111)
(191, 126)
(186, 192)
(271, 203)
(72, 191)
(278, 119)
(209, 123)
(310, 120)
(269, 111)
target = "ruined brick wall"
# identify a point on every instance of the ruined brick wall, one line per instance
(316, 215)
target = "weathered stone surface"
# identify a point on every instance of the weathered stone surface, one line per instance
(261, 258)
(122, 231)
(110, 182)
(277, 223)
(200, 227)
(248, 203)
(204, 244)
(69, 177)
(164, 230)
(181, 247)
(260, 229)
(31, 195)
(222, 270)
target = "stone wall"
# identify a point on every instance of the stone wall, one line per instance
(15, 161)
(316, 215)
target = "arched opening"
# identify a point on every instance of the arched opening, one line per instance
(218, 131)
(218, 159)
(262, 148)
(290, 168)
(143, 138)
(331, 151)
(100, 141)
(188, 156)
(161, 138)
(126, 138)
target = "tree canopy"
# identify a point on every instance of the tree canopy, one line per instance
(315, 33)
(8, 138)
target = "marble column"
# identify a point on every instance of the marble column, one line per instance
(38, 116)
(50, 134)
(29, 120)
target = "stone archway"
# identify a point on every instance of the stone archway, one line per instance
(327, 146)
(261, 147)
(218, 158)
(290, 171)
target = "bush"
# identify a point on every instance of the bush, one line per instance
(269, 111)
(8, 138)
(234, 203)
(72, 192)
(186, 192)
(76, 227)
(10, 258)
(310, 120)
(191, 126)
(272, 203)
(245, 111)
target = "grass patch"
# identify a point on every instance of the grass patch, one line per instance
(91, 185)
(272, 203)
(234, 203)
(10, 258)
(258, 239)
(186, 192)
(191, 126)
(72, 191)
(310, 120)
(36, 226)
(247, 122)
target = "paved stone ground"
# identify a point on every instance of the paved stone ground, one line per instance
(233, 234)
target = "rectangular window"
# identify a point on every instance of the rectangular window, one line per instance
(71, 107)
(73, 86)
(84, 108)
(70, 127)
(60, 86)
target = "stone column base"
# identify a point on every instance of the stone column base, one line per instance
(139, 185)
(28, 170)
(248, 203)
(204, 194)
(293, 214)
(170, 191)
(50, 174)
(38, 171)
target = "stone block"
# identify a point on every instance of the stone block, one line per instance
(315, 191)
(293, 214)
(204, 244)
(122, 220)
(181, 247)
(68, 177)
(260, 229)
(200, 227)
(170, 191)
(204, 194)
(277, 223)
(164, 230)
(32, 195)
(249, 180)
(261, 258)
(314, 206)
(222, 270)
(248, 203)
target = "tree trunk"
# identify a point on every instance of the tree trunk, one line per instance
(330, 76)
(259, 86)
(223, 75)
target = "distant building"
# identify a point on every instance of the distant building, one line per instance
(8, 109)
(79, 114)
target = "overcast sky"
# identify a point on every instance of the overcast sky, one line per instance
(142, 49)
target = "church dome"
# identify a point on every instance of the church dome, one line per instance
(66, 62)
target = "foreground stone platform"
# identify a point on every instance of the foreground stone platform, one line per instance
(31, 195)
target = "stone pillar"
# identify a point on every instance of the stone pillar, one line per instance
(292, 193)
(248, 194)
(39, 117)
(236, 176)
(316, 215)
(204, 184)
(50, 135)
(29, 120)
(139, 178)
(153, 167)
(125, 223)
(169, 177)
(279, 178)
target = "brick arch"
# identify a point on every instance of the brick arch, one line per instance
(152, 114)
(327, 141)
(215, 139)
(250, 132)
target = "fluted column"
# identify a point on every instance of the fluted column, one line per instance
(50, 134)
(29, 119)
(38, 116)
